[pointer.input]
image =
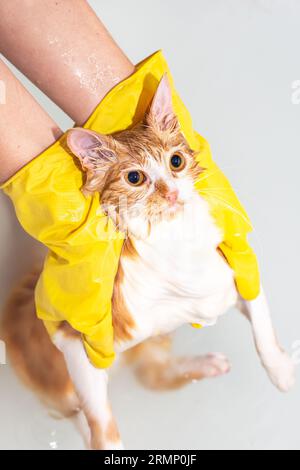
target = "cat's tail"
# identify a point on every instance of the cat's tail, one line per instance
(31, 352)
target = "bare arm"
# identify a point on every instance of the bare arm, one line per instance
(62, 47)
(67, 52)
(25, 128)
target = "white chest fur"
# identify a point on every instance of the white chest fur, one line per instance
(179, 276)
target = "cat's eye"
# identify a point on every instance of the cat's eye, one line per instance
(177, 163)
(135, 178)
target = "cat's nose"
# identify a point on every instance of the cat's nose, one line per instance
(172, 196)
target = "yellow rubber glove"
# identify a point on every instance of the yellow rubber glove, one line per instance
(84, 249)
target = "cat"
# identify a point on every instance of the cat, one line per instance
(170, 273)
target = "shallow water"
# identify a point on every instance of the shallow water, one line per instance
(236, 66)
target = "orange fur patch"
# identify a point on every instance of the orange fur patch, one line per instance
(97, 435)
(123, 322)
(112, 432)
(37, 361)
(162, 188)
(129, 250)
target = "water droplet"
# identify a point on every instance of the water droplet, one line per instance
(53, 445)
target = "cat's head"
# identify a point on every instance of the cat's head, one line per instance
(143, 175)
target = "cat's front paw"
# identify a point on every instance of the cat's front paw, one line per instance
(281, 371)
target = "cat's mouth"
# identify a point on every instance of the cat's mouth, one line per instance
(166, 211)
(134, 219)
(177, 206)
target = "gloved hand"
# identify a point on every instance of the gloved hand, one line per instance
(76, 284)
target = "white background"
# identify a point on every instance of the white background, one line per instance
(234, 64)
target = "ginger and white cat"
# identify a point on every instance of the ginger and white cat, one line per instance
(170, 273)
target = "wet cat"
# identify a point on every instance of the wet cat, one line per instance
(170, 273)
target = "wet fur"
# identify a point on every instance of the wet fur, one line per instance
(140, 330)
(38, 362)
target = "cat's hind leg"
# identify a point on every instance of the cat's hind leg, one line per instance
(36, 360)
(157, 368)
(66, 383)
(275, 360)
(91, 387)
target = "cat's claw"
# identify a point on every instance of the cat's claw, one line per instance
(282, 371)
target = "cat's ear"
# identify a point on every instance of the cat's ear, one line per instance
(161, 113)
(96, 152)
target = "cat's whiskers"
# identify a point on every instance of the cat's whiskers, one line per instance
(228, 205)
(207, 174)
